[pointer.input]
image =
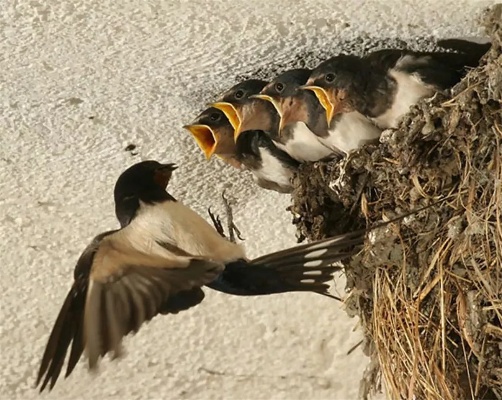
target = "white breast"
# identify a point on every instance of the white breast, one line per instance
(272, 170)
(305, 145)
(173, 222)
(350, 132)
(410, 89)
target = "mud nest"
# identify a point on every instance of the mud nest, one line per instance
(428, 290)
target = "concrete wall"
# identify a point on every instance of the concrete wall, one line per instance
(79, 81)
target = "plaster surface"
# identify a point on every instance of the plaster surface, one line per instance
(79, 81)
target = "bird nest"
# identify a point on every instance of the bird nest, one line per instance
(428, 290)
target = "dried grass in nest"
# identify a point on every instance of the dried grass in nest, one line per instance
(428, 290)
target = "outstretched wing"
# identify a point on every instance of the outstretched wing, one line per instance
(118, 289)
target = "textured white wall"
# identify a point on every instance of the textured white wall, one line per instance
(142, 69)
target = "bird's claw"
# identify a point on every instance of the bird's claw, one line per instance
(216, 222)
(232, 228)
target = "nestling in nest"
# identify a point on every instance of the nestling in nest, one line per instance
(429, 291)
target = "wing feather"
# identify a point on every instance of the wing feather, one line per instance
(119, 288)
(129, 287)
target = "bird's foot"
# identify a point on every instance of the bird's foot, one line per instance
(216, 222)
(233, 231)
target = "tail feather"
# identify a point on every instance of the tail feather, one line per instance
(243, 279)
(468, 54)
(476, 49)
(306, 267)
(326, 251)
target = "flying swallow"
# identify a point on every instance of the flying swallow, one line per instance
(157, 263)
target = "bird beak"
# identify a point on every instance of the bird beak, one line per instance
(275, 103)
(168, 167)
(232, 115)
(324, 98)
(230, 112)
(204, 137)
(270, 99)
(163, 174)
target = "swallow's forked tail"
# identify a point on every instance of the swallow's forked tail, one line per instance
(305, 268)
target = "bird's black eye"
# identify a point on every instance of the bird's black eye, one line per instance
(329, 78)
(279, 87)
(214, 116)
(239, 94)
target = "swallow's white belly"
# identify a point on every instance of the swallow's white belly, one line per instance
(351, 131)
(304, 145)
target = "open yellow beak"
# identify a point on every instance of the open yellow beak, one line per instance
(230, 112)
(270, 99)
(232, 115)
(325, 100)
(276, 105)
(204, 137)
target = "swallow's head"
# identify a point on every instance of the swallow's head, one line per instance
(143, 182)
(287, 84)
(239, 93)
(214, 133)
(336, 82)
(285, 94)
(236, 98)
